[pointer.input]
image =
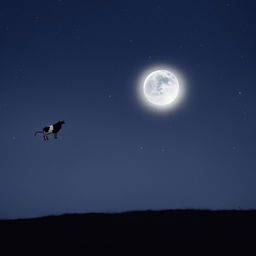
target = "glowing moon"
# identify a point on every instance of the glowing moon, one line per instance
(161, 88)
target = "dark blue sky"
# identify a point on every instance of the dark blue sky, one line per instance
(81, 61)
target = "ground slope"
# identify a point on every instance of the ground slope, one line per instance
(177, 232)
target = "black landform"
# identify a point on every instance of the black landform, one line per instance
(170, 232)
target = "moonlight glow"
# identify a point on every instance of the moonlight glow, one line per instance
(161, 89)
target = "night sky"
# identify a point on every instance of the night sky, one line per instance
(81, 61)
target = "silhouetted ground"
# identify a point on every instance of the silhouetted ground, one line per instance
(179, 232)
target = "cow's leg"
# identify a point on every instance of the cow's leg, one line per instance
(55, 135)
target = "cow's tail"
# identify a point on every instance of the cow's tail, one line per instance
(38, 132)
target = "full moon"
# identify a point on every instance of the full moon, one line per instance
(161, 88)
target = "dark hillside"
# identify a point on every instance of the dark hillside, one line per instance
(147, 232)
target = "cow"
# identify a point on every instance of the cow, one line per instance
(54, 128)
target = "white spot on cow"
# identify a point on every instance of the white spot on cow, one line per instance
(50, 129)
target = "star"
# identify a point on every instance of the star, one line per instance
(36, 18)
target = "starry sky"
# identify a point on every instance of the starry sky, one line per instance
(81, 61)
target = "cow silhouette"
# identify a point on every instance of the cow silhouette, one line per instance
(54, 129)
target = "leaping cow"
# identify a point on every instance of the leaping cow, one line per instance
(54, 128)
